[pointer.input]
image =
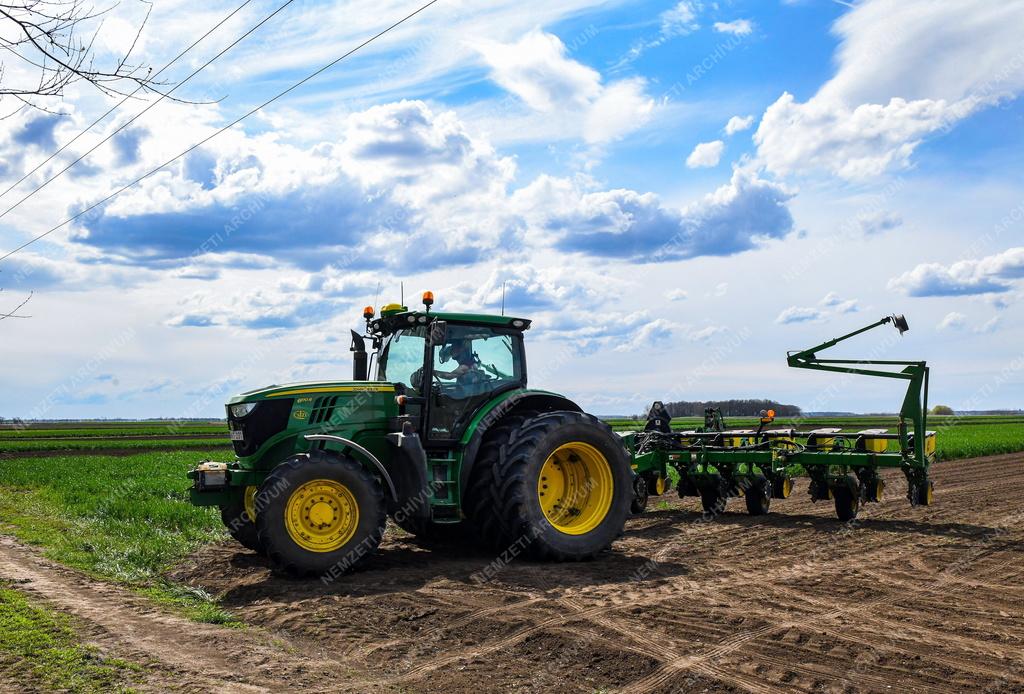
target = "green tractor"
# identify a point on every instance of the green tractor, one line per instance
(438, 431)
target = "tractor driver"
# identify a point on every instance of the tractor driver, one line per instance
(462, 351)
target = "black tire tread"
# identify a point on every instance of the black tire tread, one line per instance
(758, 496)
(509, 480)
(483, 514)
(240, 527)
(278, 562)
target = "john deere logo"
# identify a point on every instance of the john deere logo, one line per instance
(300, 414)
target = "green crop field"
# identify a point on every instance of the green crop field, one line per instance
(69, 444)
(126, 519)
(49, 431)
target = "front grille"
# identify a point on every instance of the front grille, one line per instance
(269, 418)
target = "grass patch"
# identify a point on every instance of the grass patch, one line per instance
(85, 444)
(126, 519)
(975, 441)
(39, 646)
(49, 431)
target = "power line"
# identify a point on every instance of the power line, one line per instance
(121, 102)
(143, 112)
(230, 125)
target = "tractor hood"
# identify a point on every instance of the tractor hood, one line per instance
(312, 390)
(269, 421)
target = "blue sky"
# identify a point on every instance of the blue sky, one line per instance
(675, 192)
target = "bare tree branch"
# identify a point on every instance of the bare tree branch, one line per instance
(47, 35)
(12, 314)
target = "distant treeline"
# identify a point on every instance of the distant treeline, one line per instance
(732, 408)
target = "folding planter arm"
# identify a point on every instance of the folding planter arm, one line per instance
(915, 404)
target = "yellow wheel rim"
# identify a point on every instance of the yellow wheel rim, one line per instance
(659, 486)
(249, 501)
(787, 488)
(575, 488)
(321, 515)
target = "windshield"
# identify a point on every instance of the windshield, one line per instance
(401, 358)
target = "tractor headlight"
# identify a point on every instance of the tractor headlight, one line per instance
(242, 409)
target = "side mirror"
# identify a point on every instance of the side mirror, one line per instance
(438, 332)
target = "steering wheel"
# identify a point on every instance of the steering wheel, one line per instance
(437, 379)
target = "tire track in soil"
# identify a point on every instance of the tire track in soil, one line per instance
(782, 576)
(670, 669)
(176, 653)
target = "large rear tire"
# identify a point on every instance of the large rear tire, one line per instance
(484, 518)
(320, 513)
(561, 487)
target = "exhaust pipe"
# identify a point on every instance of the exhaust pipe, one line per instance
(360, 359)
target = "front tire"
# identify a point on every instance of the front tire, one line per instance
(320, 513)
(562, 486)
(238, 517)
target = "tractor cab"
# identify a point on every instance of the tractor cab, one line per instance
(444, 366)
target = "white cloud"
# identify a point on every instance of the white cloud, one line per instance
(650, 334)
(831, 299)
(537, 70)
(706, 334)
(737, 27)
(853, 143)
(906, 69)
(953, 321)
(529, 289)
(838, 305)
(799, 314)
(621, 108)
(706, 154)
(989, 326)
(677, 295)
(872, 223)
(850, 306)
(628, 225)
(992, 274)
(738, 124)
(680, 20)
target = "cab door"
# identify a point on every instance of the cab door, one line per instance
(497, 366)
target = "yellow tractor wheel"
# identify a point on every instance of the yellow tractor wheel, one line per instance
(320, 513)
(562, 486)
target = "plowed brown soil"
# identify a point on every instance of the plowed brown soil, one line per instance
(905, 599)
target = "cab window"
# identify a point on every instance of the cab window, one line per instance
(472, 364)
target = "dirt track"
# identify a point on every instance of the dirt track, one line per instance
(912, 599)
